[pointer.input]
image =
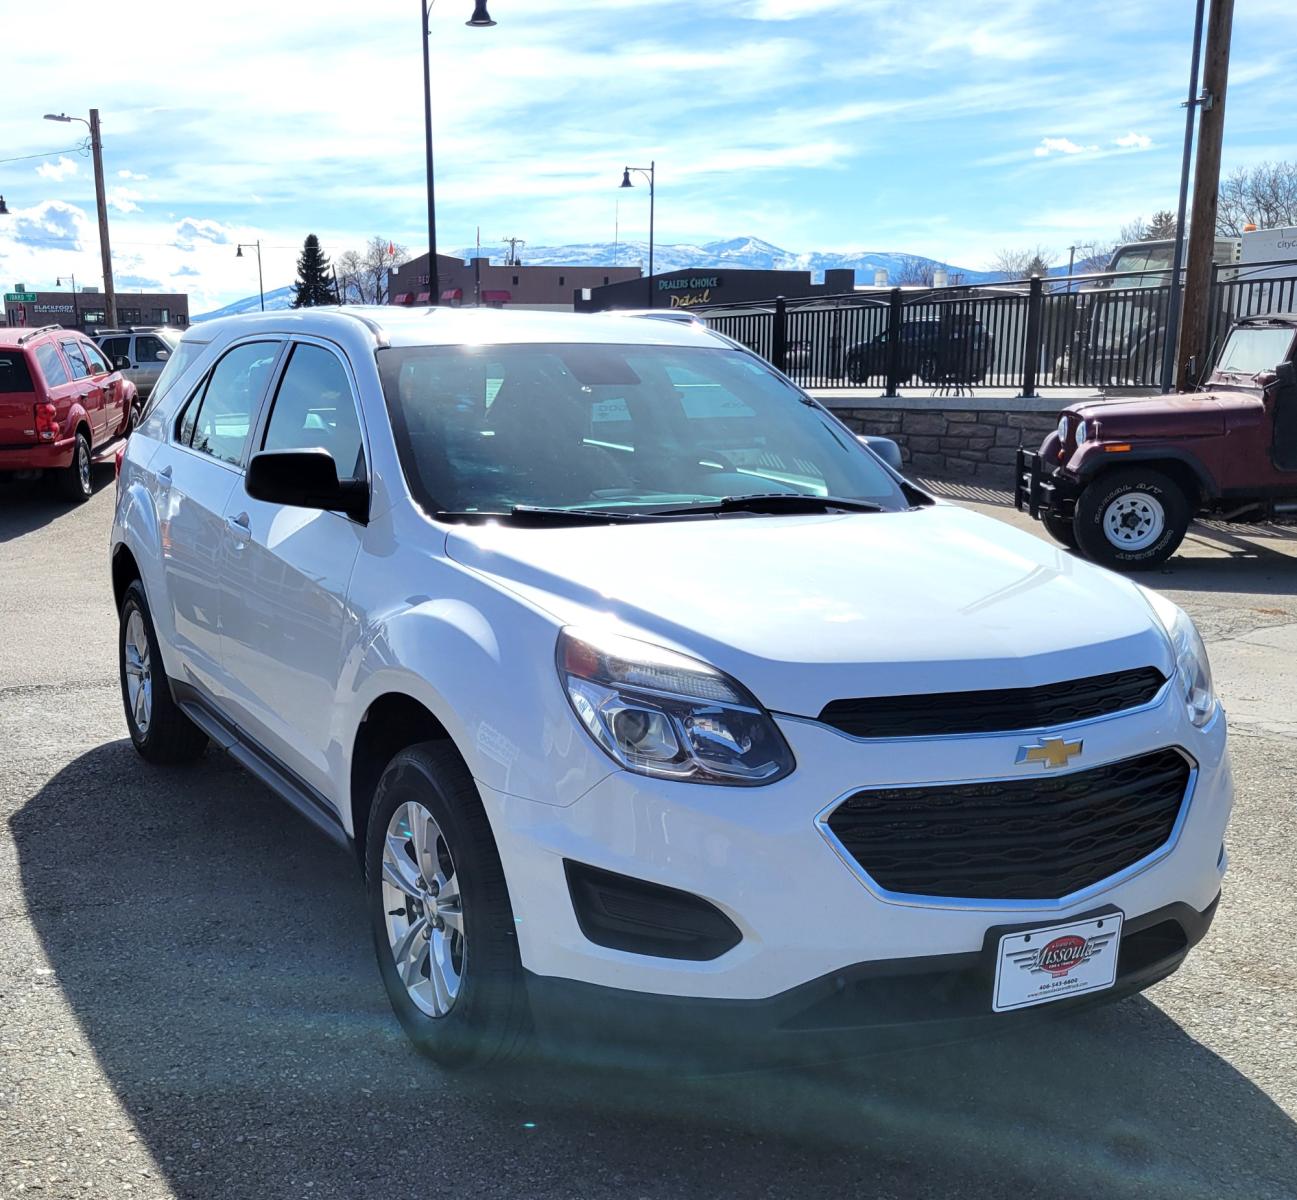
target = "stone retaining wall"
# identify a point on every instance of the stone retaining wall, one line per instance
(964, 443)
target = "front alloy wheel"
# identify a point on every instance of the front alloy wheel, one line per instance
(424, 910)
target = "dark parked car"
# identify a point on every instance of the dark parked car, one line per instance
(936, 350)
(1120, 480)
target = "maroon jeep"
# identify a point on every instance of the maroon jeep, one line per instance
(1120, 480)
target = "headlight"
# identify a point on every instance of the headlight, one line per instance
(1062, 429)
(1081, 433)
(1192, 669)
(664, 714)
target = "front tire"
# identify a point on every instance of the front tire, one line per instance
(440, 914)
(1132, 518)
(74, 480)
(159, 729)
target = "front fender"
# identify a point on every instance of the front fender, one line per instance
(1089, 460)
(492, 684)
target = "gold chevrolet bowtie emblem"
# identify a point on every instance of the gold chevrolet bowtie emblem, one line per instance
(1053, 752)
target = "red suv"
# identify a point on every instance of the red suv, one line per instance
(62, 405)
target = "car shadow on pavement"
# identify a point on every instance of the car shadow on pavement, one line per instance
(215, 952)
(27, 505)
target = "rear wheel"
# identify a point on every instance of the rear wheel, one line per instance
(1131, 518)
(74, 480)
(439, 909)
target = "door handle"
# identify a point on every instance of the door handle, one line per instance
(240, 527)
(164, 476)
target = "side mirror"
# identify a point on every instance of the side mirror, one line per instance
(305, 479)
(1191, 370)
(162, 355)
(121, 363)
(1286, 374)
(885, 448)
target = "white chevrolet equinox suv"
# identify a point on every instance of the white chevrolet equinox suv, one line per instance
(651, 701)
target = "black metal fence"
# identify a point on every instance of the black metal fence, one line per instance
(1096, 331)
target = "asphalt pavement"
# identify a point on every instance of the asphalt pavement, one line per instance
(189, 1005)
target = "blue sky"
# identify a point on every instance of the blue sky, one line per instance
(951, 128)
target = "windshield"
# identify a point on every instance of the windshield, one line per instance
(1253, 349)
(626, 428)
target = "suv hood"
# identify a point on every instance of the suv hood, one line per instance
(1162, 416)
(807, 609)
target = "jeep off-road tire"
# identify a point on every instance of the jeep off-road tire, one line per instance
(1060, 529)
(159, 730)
(75, 481)
(440, 914)
(1131, 518)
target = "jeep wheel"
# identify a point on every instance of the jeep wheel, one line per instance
(1060, 529)
(159, 729)
(74, 480)
(1131, 518)
(439, 909)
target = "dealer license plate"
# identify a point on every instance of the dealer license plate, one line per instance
(1056, 962)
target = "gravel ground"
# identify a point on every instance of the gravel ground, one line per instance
(189, 1006)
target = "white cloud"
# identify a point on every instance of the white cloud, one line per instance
(1134, 141)
(125, 174)
(1059, 145)
(58, 171)
(123, 199)
(194, 229)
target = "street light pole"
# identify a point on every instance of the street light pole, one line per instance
(101, 203)
(480, 19)
(261, 287)
(76, 318)
(649, 173)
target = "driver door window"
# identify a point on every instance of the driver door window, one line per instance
(314, 409)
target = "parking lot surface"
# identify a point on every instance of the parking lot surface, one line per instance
(189, 1005)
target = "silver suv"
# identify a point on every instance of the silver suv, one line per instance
(145, 350)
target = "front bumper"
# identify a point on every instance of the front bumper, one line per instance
(862, 1007)
(804, 913)
(39, 456)
(1041, 487)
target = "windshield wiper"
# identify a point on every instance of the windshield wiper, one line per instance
(775, 503)
(529, 514)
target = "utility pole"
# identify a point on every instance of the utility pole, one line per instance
(1206, 189)
(513, 244)
(110, 292)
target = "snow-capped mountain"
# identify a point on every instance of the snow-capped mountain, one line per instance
(279, 298)
(743, 252)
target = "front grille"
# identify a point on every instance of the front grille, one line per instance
(1038, 838)
(1000, 711)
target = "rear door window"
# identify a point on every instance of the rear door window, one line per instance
(51, 365)
(15, 376)
(117, 347)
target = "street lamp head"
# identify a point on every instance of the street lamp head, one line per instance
(4, 208)
(481, 19)
(238, 253)
(625, 178)
(58, 117)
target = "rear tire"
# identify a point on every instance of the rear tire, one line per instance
(1060, 529)
(159, 729)
(440, 914)
(1131, 518)
(74, 480)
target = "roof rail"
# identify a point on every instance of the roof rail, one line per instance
(27, 337)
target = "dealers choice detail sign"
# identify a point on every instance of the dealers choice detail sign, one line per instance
(694, 289)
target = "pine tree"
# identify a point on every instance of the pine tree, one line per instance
(314, 284)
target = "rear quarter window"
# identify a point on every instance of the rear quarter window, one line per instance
(14, 373)
(51, 364)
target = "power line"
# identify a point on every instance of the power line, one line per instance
(82, 149)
